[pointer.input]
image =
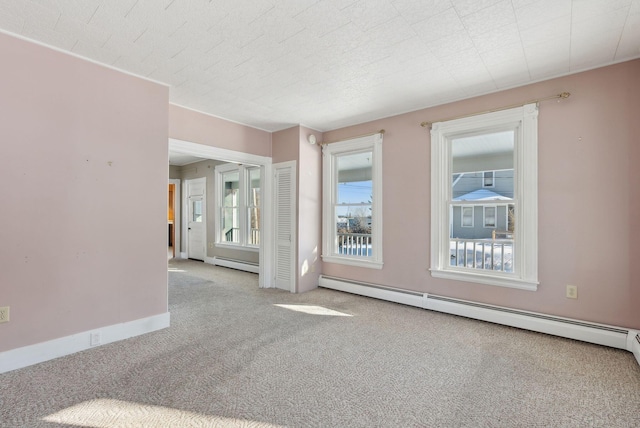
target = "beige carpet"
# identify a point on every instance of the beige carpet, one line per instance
(236, 355)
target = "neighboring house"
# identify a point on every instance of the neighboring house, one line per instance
(483, 212)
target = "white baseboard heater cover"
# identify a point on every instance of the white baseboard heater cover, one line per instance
(601, 334)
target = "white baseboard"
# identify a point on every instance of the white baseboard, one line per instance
(33, 354)
(234, 264)
(615, 337)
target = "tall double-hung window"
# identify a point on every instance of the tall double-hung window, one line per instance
(238, 206)
(352, 202)
(487, 165)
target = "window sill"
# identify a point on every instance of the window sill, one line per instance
(504, 280)
(228, 246)
(353, 262)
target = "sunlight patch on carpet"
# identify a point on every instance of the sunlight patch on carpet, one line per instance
(108, 413)
(314, 310)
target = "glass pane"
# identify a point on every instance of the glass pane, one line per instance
(482, 167)
(353, 207)
(230, 226)
(482, 184)
(254, 178)
(355, 183)
(254, 187)
(196, 211)
(231, 182)
(254, 226)
(354, 231)
(253, 202)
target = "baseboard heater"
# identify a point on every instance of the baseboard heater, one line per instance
(601, 334)
(234, 264)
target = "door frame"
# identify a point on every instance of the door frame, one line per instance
(177, 226)
(187, 214)
(265, 279)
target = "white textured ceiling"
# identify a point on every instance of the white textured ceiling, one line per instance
(326, 64)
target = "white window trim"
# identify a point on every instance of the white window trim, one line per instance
(493, 180)
(329, 195)
(473, 214)
(242, 207)
(525, 122)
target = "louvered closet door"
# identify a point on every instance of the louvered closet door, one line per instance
(285, 225)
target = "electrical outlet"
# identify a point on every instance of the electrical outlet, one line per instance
(4, 314)
(313, 267)
(94, 338)
(572, 291)
(210, 244)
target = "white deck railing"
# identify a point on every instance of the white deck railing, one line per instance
(354, 244)
(489, 254)
(233, 235)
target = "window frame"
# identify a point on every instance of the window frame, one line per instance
(473, 214)
(495, 216)
(524, 121)
(243, 205)
(330, 152)
(493, 180)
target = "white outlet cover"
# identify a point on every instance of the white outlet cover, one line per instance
(94, 339)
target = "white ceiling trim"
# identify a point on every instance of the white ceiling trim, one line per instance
(82, 57)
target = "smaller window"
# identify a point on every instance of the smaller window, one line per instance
(467, 216)
(196, 211)
(490, 217)
(352, 202)
(488, 179)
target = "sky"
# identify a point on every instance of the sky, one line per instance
(354, 192)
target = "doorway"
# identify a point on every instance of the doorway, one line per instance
(173, 219)
(266, 247)
(196, 218)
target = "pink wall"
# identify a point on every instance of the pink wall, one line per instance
(195, 127)
(589, 198)
(285, 145)
(83, 165)
(633, 124)
(309, 210)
